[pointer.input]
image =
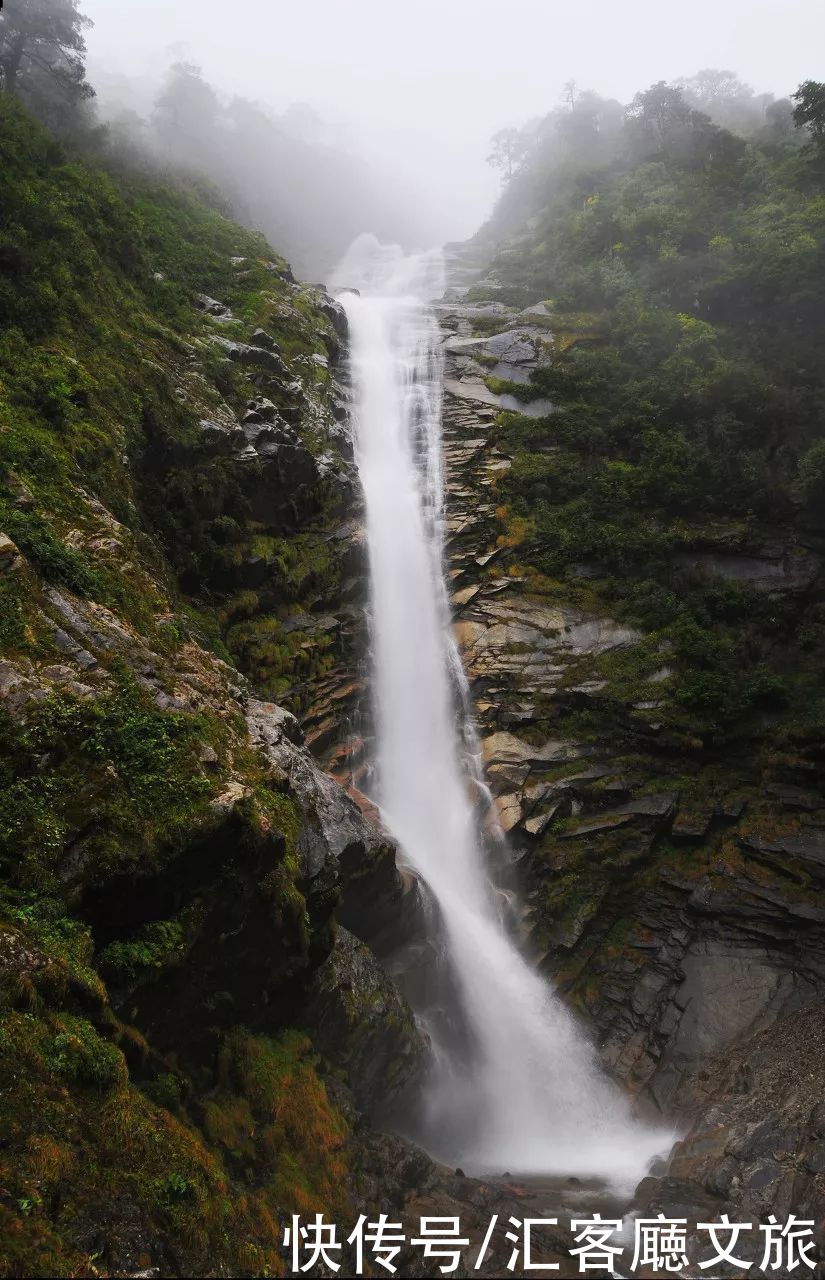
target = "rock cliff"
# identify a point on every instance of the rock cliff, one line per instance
(672, 891)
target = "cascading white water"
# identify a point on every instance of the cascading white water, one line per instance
(519, 1088)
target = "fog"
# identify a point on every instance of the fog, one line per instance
(416, 92)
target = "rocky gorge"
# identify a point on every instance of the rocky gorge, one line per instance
(196, 1028)
(202, 920)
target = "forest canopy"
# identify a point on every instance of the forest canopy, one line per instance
(681, 261)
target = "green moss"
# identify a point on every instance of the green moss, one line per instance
(300, 1141)
(57, 562)
(66, 943)
(159, 944)
(109, 495)
(686, 374)
(165, 1090)
(79, 1141)
(12, 617)
(80, 1056)
(122, 771)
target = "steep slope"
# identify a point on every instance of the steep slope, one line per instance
(173, 476)
(634, 426)
(196, 1036)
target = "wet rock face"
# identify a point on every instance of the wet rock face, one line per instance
(342, 845)
(674, 900)
(262, 507)
(336, 839)
(754, 1140)
(397, 1178)
(284, 483)
(247, 897)
(363, 1026)
(336, 315)
(259, 355)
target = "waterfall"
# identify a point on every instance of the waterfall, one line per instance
(515, 1083)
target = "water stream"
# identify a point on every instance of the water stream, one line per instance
(515, 1083)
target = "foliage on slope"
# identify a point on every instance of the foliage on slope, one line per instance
(131, 799)
(682, 267)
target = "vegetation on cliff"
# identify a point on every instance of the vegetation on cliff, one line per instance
(159, 921)
(641, 603)
(682, 268)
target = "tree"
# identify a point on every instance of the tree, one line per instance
(811, 472)
(726, 99)
(659, 111)
(509, 149)
(710, 87)
(42, 49)
(660, 120)
(779, 117)
(580, 126)
(809, 112)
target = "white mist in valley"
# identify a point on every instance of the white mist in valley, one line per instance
(520, 1088)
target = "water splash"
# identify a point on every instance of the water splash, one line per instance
(515, 1083)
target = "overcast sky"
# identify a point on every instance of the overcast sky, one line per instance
(427, 83)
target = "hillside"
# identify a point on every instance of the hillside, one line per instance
(635, 436)
(170, 855)
(311, 194)
(673, 282)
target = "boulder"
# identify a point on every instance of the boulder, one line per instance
(260, 338)
(221, 438)
(260, 409)
(337, 845)
(210, 305)
(806, 847)
(505, 748)
(335, 313)
(252, 357)
(753, 1142)
(361, 1023)
(660, 805)
(9, 555)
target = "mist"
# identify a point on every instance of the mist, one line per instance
(407, 103)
